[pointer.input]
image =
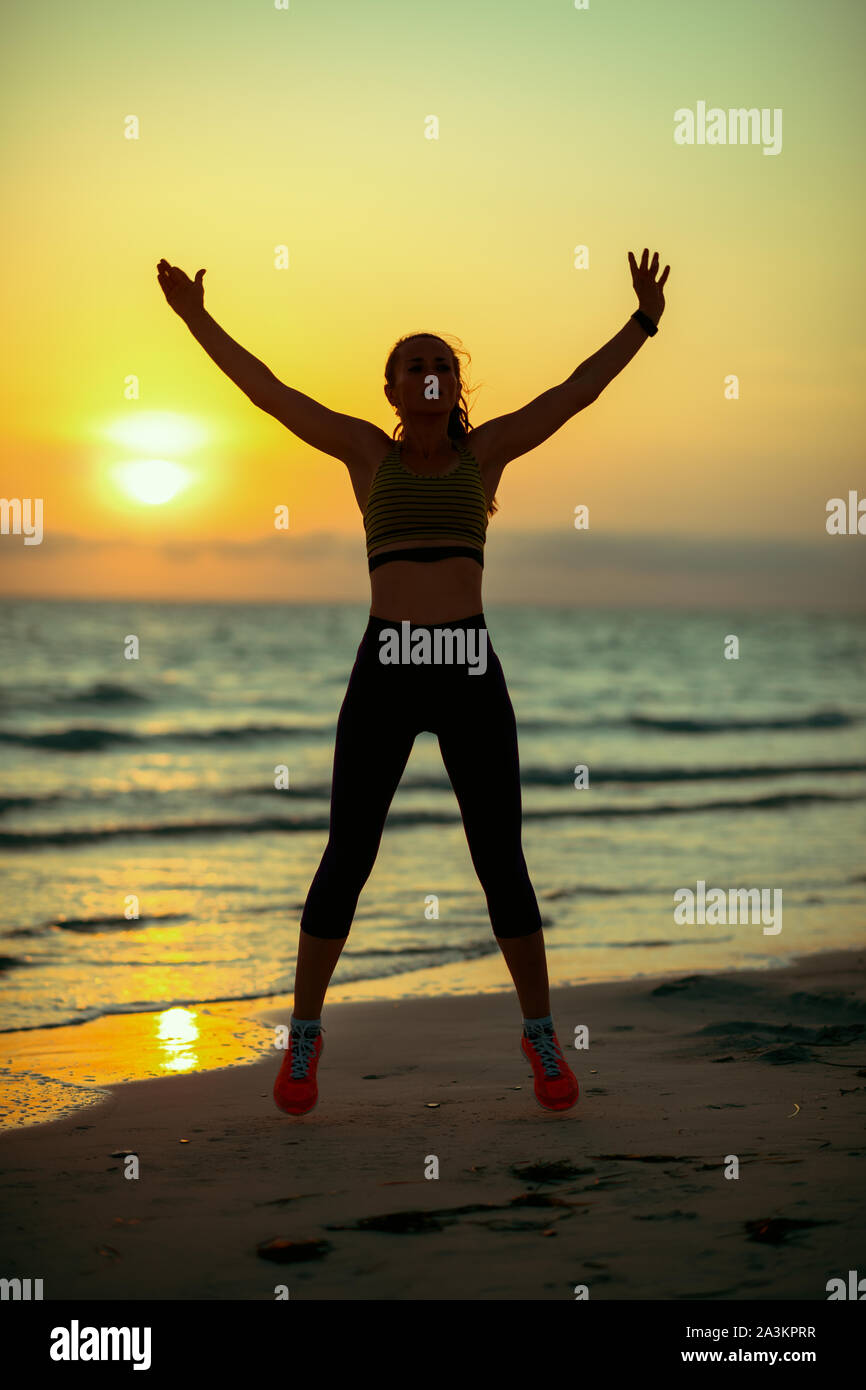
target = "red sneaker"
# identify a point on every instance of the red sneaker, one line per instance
(295, 1089)
(556, 1085)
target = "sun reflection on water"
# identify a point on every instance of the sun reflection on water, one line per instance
(178, 1033)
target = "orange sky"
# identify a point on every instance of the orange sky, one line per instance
(306, 128)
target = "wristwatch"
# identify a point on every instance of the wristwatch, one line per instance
(645, 322)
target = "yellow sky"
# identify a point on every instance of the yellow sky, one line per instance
(306, 128)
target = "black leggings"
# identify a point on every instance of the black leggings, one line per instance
(384, 707)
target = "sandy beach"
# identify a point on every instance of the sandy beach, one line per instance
(626, 1193)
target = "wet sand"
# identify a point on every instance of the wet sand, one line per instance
(626, 1193)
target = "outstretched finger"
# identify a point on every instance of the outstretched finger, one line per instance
(664, 275)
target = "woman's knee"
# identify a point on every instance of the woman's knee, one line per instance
(349, 859)
(501, 867)
(335, 889)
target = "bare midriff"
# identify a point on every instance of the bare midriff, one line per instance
(431, 591)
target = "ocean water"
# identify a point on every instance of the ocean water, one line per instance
(152, 782)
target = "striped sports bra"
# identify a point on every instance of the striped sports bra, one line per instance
(403, 506)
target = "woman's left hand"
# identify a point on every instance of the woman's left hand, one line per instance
(648, 290)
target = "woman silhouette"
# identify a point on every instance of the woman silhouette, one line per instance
(425, 661)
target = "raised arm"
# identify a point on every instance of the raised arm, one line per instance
(509, 436)
(342, 436)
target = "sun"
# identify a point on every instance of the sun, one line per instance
(152, 481)
(160, 436)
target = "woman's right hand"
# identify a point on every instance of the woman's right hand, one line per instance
(184, 295)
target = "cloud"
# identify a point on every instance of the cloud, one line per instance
(562, 567)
